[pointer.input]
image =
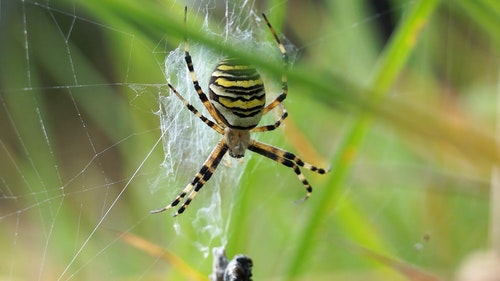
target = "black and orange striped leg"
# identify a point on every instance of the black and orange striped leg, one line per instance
(189, 62)
(284, 115)
(284, 78)
(191, 108)
(288, 159)
(199, 179)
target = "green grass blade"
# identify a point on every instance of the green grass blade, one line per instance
(388, 68)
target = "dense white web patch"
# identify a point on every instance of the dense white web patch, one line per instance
(187, 141)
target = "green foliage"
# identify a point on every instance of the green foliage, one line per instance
(407, 125)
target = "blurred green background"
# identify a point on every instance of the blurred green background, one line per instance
(399, 97)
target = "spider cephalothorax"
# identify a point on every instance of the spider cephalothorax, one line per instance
(237, 141)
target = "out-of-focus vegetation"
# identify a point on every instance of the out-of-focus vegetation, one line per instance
(400, 98)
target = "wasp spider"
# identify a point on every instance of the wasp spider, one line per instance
(237, 102)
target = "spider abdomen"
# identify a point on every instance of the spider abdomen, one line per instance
(237, 93)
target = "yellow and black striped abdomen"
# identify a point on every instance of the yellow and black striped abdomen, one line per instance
(237, 94)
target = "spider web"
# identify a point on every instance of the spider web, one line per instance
(91, 140)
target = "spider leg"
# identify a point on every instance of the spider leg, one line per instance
(191, 108)
(284, 79)
(284, 115)
(288, 159)
(189, 62)
(199, 179)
